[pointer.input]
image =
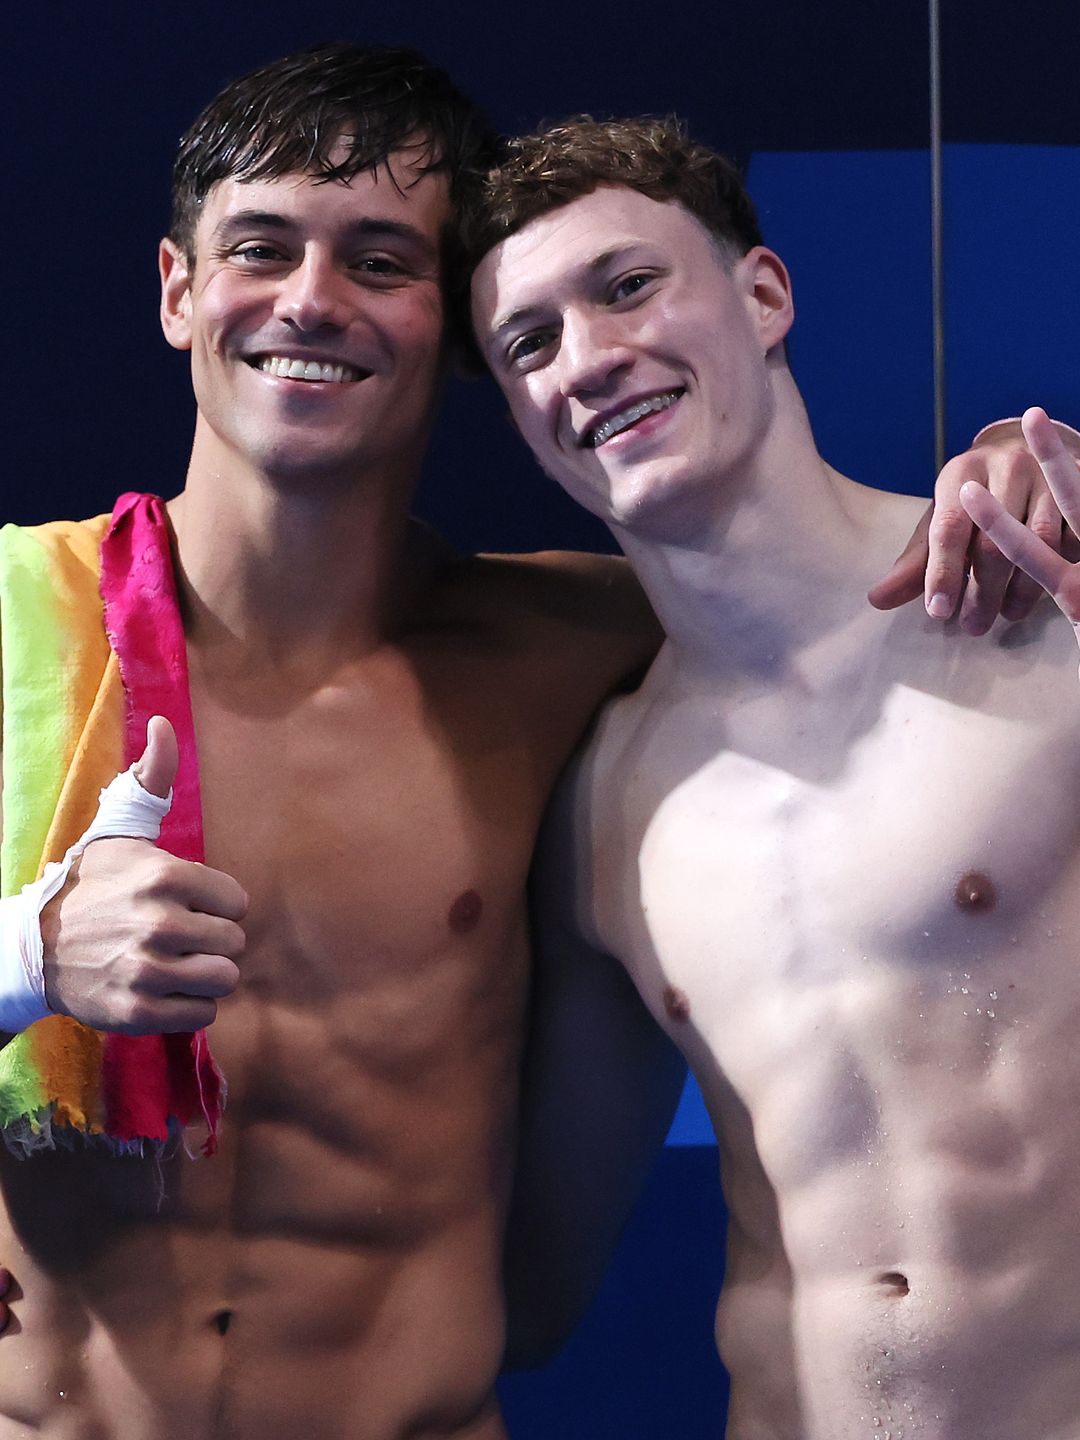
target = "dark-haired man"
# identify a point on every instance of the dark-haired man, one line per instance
(838, 859)
(379, 724)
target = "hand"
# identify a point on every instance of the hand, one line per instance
(945, 546)
(138, 941)
(1039, 560)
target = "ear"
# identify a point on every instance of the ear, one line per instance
(768, 292)
(175, 295)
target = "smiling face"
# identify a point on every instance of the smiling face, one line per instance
(631, 352)
(314, 317)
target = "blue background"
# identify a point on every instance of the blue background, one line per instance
(827, 106)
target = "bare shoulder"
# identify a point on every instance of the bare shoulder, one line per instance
(584, 610)
(565, 587)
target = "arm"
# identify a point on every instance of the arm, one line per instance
(600, 1085)
(946, 547)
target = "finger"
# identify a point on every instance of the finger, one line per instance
(171, 1015)
(212, 892)
(1013, 483)
(156, 767)
(196, 888)
(904, 581)
(949, 538)
(1044, 520)
(1014, 540)
(1057, 464)
(190, 977)
(189, 932)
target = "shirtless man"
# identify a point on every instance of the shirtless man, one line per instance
(379, 726)
(836, 851)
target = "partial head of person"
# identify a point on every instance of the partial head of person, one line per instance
(314, 210)
(624, 302)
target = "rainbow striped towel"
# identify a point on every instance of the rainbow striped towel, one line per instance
(92, 646)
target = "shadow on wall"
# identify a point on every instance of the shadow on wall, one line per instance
(643, 1365)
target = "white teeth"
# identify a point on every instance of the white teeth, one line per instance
(631, 416)
(314, 370)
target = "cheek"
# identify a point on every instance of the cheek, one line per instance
(530, 410)
(419, 325)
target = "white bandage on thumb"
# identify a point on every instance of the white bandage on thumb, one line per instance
(124, 808)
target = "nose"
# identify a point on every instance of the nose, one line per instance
(592, 353)
(312, 296)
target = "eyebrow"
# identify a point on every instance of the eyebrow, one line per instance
(589, 268)
(370, 227)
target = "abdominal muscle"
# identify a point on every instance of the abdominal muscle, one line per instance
(331, 1272)
(903, 1258)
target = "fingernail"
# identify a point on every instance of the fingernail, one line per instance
(939, 606)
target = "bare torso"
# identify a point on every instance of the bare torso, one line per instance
(850, 893)
(333, 1272)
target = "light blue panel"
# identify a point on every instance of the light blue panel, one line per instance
(1012, 283)
(853, 229)
(691, 1124)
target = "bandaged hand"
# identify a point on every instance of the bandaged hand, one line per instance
(131, 938)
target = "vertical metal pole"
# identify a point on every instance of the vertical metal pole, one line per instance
(936, 241)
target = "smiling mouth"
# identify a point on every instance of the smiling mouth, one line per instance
(317, 372)
(616, 424)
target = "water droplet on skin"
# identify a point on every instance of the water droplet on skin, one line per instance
(991, 1014)
(993, 994)
(964, 990)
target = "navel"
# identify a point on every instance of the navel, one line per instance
(975, 893)
(465, 913)
(895, 1283)
(221, 1321)
(677, 1005)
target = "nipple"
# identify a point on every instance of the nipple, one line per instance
(677, 1005)
(465, 913)
(975, 893)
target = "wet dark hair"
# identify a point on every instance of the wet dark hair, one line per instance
(287, 117)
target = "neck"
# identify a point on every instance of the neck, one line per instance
(288, 572)
(782, 556)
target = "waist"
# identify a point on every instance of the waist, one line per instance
(214, 1336)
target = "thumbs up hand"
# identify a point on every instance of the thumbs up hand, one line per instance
(135, 940)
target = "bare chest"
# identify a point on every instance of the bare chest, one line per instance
(930, 860)
(385, 863)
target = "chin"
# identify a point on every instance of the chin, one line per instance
(669, 506)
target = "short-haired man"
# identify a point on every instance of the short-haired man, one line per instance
(379, 725)
(838, 860)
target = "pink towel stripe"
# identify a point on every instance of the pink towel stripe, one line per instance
(151, 1079)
